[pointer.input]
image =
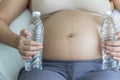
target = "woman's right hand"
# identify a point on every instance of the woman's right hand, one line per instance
(28, 48)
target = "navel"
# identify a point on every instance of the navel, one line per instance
(71, 35)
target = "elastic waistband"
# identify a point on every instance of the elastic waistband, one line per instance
(73, 61)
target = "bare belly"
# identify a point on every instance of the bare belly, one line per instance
(72, 35)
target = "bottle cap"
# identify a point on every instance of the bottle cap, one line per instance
(108, 13)
(36, 14)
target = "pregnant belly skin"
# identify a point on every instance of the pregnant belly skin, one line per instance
(72, 35)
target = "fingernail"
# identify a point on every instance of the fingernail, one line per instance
(115, 58)
(103, 45)
(107, 51)
(38, 51)
(39, 43)
(116, 36)
(28, 37)
(41, 46)
(29, 57)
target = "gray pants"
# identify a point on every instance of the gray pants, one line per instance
(70, 70)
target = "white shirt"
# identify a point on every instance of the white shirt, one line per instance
(51, 6)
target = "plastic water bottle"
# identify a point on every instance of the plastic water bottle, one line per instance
(108, 31)
(36, 29)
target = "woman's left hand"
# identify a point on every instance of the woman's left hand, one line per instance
(113, 47)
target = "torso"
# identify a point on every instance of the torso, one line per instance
(72, 35)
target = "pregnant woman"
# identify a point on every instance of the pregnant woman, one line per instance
(71, 38)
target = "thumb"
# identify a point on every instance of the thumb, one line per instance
(25, 33)
(117, 35)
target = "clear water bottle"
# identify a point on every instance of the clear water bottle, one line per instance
(36, 29)
(108, 31)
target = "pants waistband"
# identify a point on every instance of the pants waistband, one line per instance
(73, 61)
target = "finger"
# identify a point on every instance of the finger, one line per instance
(22, 40)
(116, 58)
(31, 48)
(33, 43)
(25, 33)
(111, 48)
(117, 35)
(113, 54)
(112, 43)
(119, 38)
(26, 57)
(29, 53)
